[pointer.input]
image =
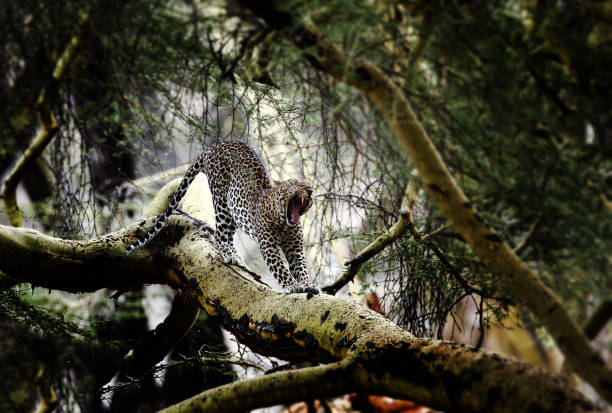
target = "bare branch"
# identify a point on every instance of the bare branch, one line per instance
(159, 342)
(395, 232)
(525, 241)
(599, 319)
(48, 125)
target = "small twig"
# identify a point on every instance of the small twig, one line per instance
(349, 136)
(449, 267)
(282, 367)
(185, 361)
(423, 38)
(481, 322)
(359, 201)
(380, 243)
(434, 232)
(217, 55)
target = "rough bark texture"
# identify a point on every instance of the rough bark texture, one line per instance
(442, 188)
(74, 266)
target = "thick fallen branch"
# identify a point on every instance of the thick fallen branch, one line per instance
(367, 352)
(75, 266)
(442, 188)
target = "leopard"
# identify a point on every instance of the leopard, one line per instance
(245, 197)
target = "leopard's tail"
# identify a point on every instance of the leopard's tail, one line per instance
(162, 219)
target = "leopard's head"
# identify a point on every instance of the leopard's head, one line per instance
(294, 199)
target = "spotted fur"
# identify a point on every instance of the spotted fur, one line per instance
(244, 197)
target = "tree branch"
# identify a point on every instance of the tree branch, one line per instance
(48, 125)
(598, 320)
(403, 224)
(442, 188)
(287, 386)
(75, 266)
(48, 398)
(376, 246)
(525, 241)
(593, 326)
(384, 358)
(159, 342)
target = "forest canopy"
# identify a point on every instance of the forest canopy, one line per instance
(459, 152)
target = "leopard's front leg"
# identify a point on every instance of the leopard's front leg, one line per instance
(279, 270)
(293, 248)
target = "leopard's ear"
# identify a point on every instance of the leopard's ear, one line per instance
(277, 182)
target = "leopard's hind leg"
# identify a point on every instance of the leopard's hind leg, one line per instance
(225, 228)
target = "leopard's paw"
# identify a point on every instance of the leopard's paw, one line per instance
(233, 259)
(310, 289)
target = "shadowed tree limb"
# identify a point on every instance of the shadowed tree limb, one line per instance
(48, 124)
(593, 326)
(598, 320)
(48, 399)
(159, 342)
(367, 77)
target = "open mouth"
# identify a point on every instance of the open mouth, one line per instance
(297, 206)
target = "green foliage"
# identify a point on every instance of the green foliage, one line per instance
(514, 94)
(506, 90)
(36, 337)
(515, 98)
